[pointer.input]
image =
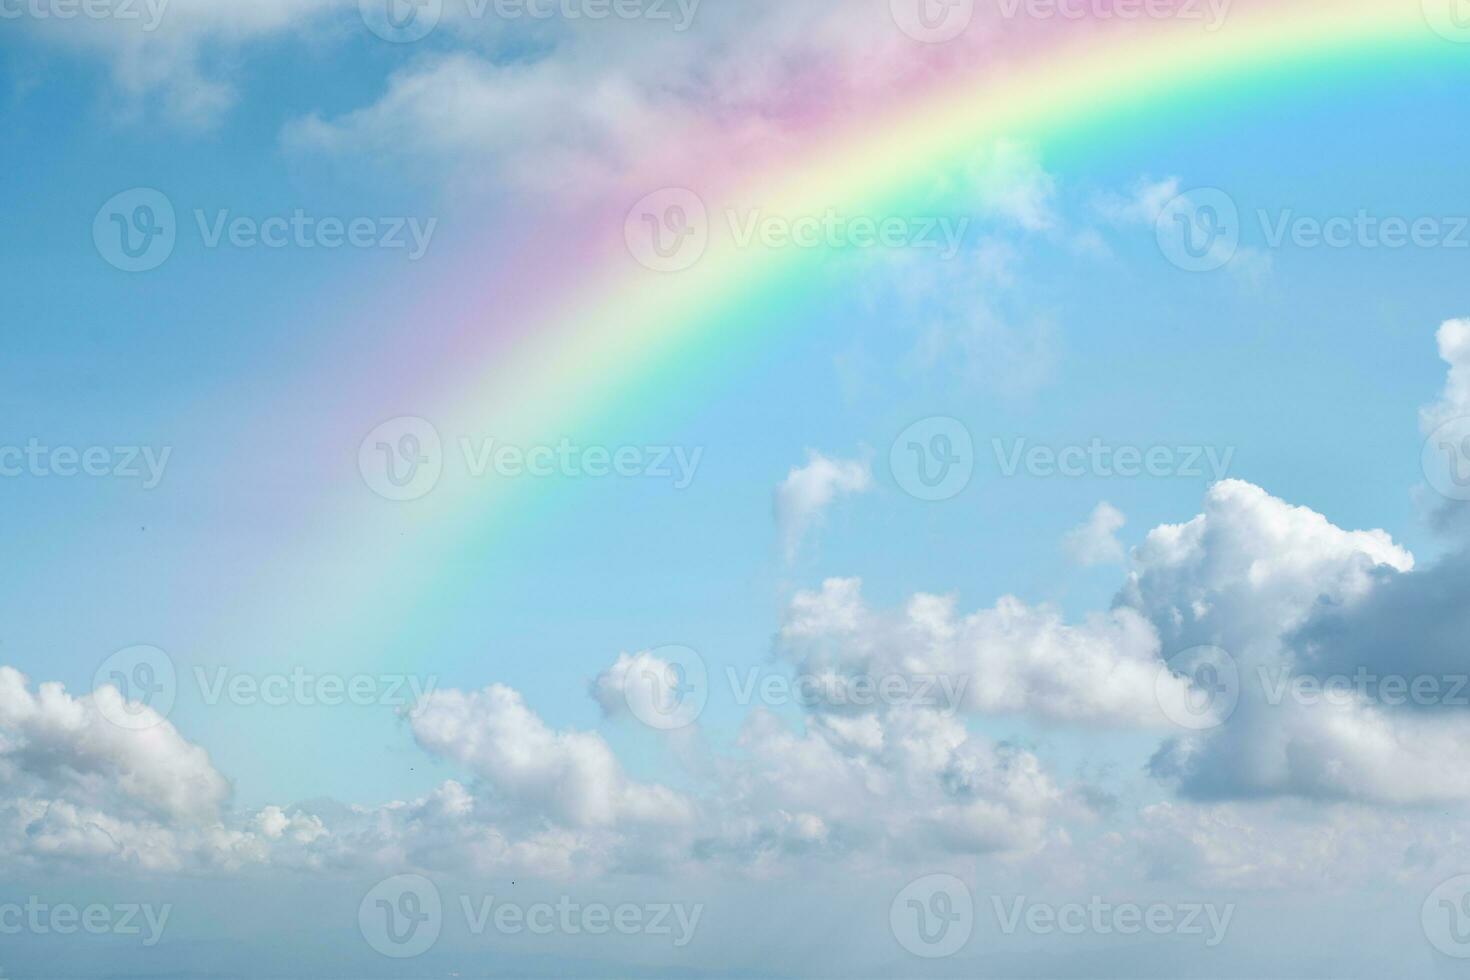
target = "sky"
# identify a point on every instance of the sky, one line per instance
(734, 489)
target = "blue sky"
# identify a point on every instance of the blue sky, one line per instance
(1327, 832)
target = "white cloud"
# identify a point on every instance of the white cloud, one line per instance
(1290, 844)
(1096, 541)
(1010, 659)
(803, 497)
(1255, 575)
(1454, 401)
(68, 748)
(1249, 569)
(460, 116)
(572, 777)
(74, 787)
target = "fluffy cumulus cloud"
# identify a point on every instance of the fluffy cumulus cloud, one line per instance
(896, 783)
(570, 777)
(1446, 426)
(76, 787)
(1291, 597)
(803, 497)
(880, 759)
(1012, 658)
(1454, 401)
(882, 764)
(1249, 569)
(1095, 542)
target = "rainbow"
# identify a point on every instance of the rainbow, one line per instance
(613, 326)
